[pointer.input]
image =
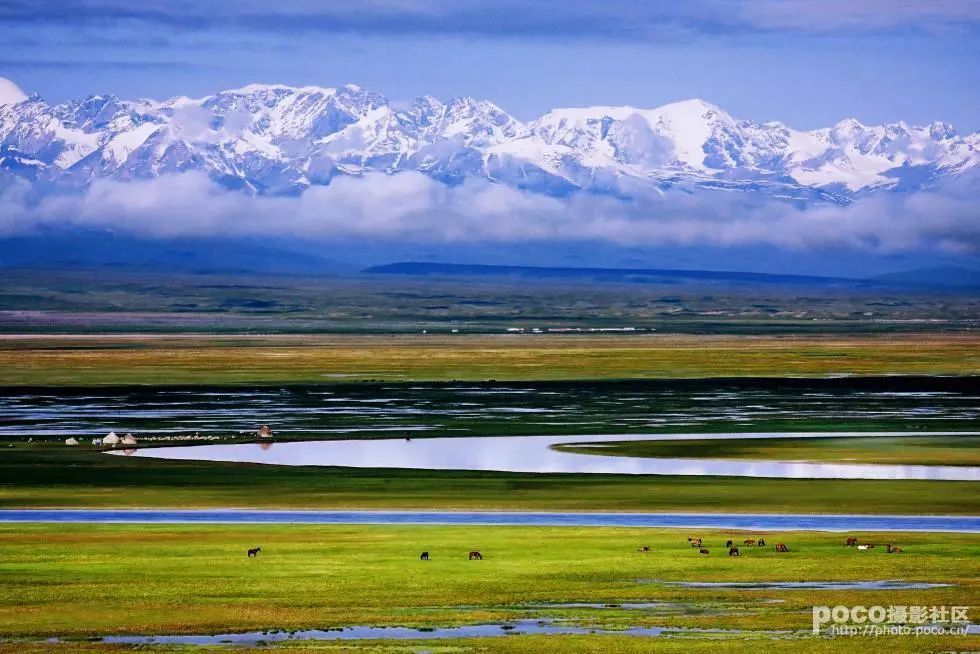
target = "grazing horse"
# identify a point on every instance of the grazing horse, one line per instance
(695, 542)
(254, 552)
(645, 548)
(733, 551)
(851, 542)
(476, 555)
(728, 543)
(893, 550)
(748, 541)
(702, 551)
(424, 556)
(762, 542)
(781, 547)
(866, 546)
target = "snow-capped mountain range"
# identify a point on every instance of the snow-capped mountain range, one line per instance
(274, 139)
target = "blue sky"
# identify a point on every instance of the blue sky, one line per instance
(807, 63)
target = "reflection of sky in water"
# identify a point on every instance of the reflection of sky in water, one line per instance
(742, 522)
(534, 454)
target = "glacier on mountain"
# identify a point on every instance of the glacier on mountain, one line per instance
(280, 140)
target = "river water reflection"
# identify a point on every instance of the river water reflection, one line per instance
(535, 454)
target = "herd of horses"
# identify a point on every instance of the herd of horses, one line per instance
(694, 542)
(779, 547)
(732, 551)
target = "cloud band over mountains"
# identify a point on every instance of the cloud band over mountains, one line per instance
(410, 206)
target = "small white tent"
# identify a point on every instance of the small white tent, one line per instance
(71, 441)
(111, 439)
(129, 439)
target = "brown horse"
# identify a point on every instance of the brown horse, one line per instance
(476, 555)
(733, 551)
(893, 550)
(781, 547)
(749, 541)
(695, 542)
(852, 542)
(254, 552)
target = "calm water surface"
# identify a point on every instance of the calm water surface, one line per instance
(535, 454)
(738, 521)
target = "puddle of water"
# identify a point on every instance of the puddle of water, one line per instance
(807, 585)
(536, 454)
(516, 627)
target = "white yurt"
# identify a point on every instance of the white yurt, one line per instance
(71, 441)
(111, 439)
(128, 439)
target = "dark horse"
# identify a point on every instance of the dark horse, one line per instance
(475, 555)
(733, 551)
(254, 552)
(781, 547)
(424, 557)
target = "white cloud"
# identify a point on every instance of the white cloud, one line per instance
(412, 207)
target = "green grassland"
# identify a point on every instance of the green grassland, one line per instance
(87, 580)
(96, 580)
(907, 450)
(55, 476)
(199, 360)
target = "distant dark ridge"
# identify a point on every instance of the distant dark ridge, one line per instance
(945, 276)
(621, 274)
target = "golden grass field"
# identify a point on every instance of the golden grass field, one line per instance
(200, 359)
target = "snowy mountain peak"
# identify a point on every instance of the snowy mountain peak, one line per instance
(696, 107)
(278, 139)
